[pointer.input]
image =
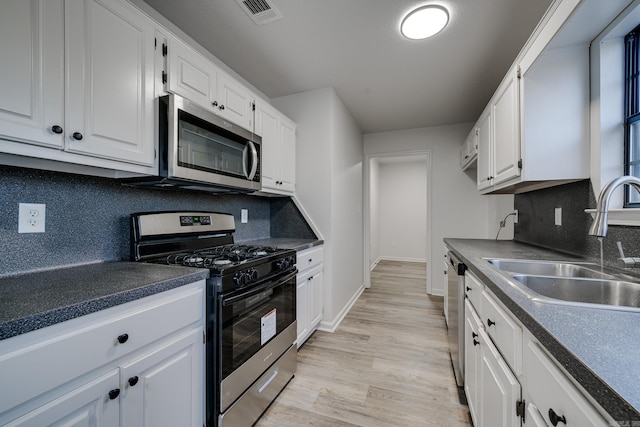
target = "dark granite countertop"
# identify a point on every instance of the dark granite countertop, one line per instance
(286, 243)
(35, 300)
(598, 347)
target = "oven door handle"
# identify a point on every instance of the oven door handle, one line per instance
(256, 290)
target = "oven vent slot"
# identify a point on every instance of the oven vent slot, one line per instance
(260, 11)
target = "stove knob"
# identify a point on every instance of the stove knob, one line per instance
(240, 278)
(254, 274)
(283, 264)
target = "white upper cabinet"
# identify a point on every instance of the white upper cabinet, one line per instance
(110, 63)
(485, 149)
(469, 150)
(32, 69)
(278, 150)
(78, 77)
(540, 112)
(197, 79)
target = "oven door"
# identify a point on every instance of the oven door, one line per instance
(255, 327)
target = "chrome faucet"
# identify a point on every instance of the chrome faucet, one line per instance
(599, 226)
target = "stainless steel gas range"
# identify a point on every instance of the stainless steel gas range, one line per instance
(251, 307)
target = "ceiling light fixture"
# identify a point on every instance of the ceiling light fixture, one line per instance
(424, 22)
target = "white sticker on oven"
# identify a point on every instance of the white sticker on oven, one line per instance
(268, 323)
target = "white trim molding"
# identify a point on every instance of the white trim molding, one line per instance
(332, 326)
(628, 217)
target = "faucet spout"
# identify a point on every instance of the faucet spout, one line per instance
(599, 225)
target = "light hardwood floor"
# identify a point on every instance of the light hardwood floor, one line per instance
(386, 365)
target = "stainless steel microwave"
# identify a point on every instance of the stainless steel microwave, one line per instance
(199, 150)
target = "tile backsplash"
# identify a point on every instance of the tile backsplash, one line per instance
(536, 223)
(87, 218)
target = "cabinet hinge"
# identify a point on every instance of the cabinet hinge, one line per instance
(155, 43)
(164, 49)
(253, 106)
(164, 77)
(520, 408)
(519, 73)
(204, 337)
(520, 164)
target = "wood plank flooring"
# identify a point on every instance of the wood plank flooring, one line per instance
(386, 365)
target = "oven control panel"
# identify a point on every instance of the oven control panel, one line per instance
(189, 220)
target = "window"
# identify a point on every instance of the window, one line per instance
(632, 114)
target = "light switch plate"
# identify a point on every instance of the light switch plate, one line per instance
(244, 216)
(31, 217)
(558, 216)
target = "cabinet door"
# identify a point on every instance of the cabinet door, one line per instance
(267, 128)
(316, 302)
(472, 358)
(32, 70)
(109, 65)
(288, 168)
(506, 133)
(499, 389)
(88, 406)
(534, 417)
(166, 386)
(302, 313)
(191, 75)
(485, 150)
(235, 102)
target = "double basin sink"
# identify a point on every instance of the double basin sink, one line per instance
(573, 283)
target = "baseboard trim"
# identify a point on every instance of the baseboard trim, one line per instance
(332, 326)
(401, 259)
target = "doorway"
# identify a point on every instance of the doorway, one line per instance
(397, 214)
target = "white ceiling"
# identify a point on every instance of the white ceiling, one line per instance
(387, 82)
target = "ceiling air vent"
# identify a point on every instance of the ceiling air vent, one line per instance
(260, 11)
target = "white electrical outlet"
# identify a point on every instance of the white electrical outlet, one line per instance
(244, 216)
(31, 217)
(558, 216)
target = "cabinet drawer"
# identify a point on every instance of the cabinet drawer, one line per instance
(473, 289)
(309, 258)
(61, 353)
(505, 332)
(550, 390)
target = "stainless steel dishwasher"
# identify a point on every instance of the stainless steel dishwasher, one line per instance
(455, 308)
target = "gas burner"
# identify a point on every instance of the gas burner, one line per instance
(222, 262)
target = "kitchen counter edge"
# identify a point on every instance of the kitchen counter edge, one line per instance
(36, 300)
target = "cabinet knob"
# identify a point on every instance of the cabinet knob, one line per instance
(555, 418)
(77, 136)
(490, 322)
(114, 393)
(123, 338)
(214, 103)
(476, 342)
(474, 335)
(468, 289)
(221, 107)
(56, 129)
(133, 381)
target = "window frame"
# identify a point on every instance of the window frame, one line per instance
(631, 109)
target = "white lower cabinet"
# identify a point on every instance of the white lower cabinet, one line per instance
(491, 388)
(510, 379)
(137, 364)
(499, 389)
(164, 387)
(309, 296)
(87, 406)
(555, 396)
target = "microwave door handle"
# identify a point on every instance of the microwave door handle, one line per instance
(254, 160)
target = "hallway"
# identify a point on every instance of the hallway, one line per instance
(386, 365)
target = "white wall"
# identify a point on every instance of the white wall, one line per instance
(329, 187)
(457, 209)
(402, 194)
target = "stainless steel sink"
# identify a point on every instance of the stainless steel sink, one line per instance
(550, 268)
(616, 293)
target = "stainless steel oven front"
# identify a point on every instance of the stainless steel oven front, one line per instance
(252, 351)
